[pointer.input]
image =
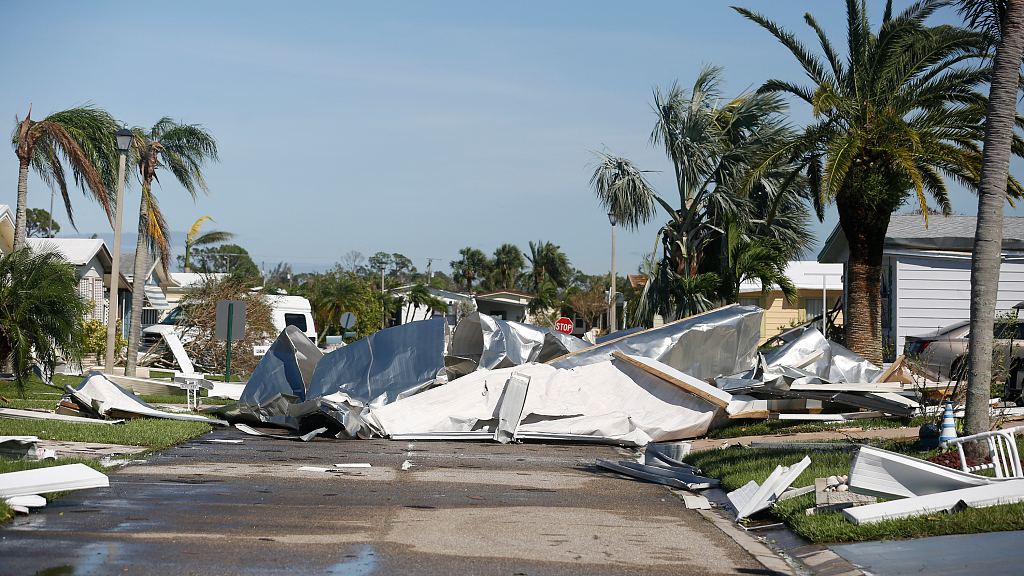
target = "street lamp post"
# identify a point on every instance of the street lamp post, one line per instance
(124, 143)
(613, 295)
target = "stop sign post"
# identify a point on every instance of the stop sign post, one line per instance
(564, 325)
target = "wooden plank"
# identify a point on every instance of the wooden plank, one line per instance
(759, 414)
(696, 386)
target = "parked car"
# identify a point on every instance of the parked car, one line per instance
(944, 352)
(285, 311)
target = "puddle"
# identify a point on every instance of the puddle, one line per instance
(363, 562)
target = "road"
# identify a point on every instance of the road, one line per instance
(209, 508)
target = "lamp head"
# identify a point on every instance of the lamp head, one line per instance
(124, 140)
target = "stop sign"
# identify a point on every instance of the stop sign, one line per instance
(564, 325)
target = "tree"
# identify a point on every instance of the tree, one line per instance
(182, 149)
(40, 224)
(84, 138)
(711, 142)
(548, 264)
(471, 266)
(225, 259)
(590, 304)
(193, 238)
(1003, 21)
(760, 259)
(41, 312)
(506, 267)
(894, 117)
(331, 294)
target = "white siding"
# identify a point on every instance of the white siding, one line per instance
(934, 292)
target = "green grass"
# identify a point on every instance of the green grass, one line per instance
(737, 466)
(6, 513)
(765, 427)
(154, 433)
(150, 432)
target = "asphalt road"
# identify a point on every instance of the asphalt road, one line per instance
(460, 508)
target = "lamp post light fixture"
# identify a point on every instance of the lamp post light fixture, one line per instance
(612, 295)
(124, 144)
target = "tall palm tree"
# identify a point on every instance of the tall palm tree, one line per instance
(548, 265)
(898, 114)
(710, 142)
(507, 266)
(41, 313)
(194, 239)
(182, 149)
(84, 137)
(471, 266)
(1003, 22)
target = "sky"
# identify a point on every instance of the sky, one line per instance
(416, 128)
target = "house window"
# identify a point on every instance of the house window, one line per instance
(814, 307)
(750, 302)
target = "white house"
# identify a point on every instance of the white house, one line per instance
(6, 229)
(157, 285)
(926, 272)
(92, 259)
(502, 304)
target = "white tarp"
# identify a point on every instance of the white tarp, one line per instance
(607, 401)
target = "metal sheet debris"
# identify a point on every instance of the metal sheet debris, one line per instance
(98, 397)
(676, 479)
(885, 474)
(752, 498)
(1008, 492)
(37, 415)
(51, 479)
(493, 343)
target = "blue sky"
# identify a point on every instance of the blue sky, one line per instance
(408, 127)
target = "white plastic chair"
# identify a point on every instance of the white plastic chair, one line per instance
(1003, 448)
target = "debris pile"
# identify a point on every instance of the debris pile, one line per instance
(23, 490)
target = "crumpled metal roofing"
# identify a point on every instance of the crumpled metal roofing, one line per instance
(493, 343)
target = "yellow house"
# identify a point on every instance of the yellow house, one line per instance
(811, 280)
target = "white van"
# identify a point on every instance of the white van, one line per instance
(285, 311)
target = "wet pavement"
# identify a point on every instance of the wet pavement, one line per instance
(459, 508)
(992, 554)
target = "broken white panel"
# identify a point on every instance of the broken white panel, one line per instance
(33, 415)
(19, 447)
(353, 465)
(103, 396)
(226, 390)
(838, 417)
(23, 503)
(180, 356)
(877, 472)
(748, 500)
(696, 502)
(304, 437)
(51, 479)
(693, 385)
(1007, 492)
(511, 409)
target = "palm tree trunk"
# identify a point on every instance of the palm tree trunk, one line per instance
(995, 165)
(138, 286)
(865, 234)
(21, 218)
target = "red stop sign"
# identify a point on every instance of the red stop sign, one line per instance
(564, 325)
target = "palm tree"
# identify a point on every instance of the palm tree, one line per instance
(1003, 21)
(41, 313)
(182, 149)
(893, 118)
(472, 265)
(194, 239)
(84, 137)
(710, 142)
(548, 265)
(417, 297)
(507, 266)
(761, 259)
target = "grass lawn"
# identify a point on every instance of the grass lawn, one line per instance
(737, 466)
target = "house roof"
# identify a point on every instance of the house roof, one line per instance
(494, 293)
(949, 233)
(185, 280)
(806, 275)
(77, 251)
(636, 280)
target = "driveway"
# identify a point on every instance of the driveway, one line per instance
(458, 508)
